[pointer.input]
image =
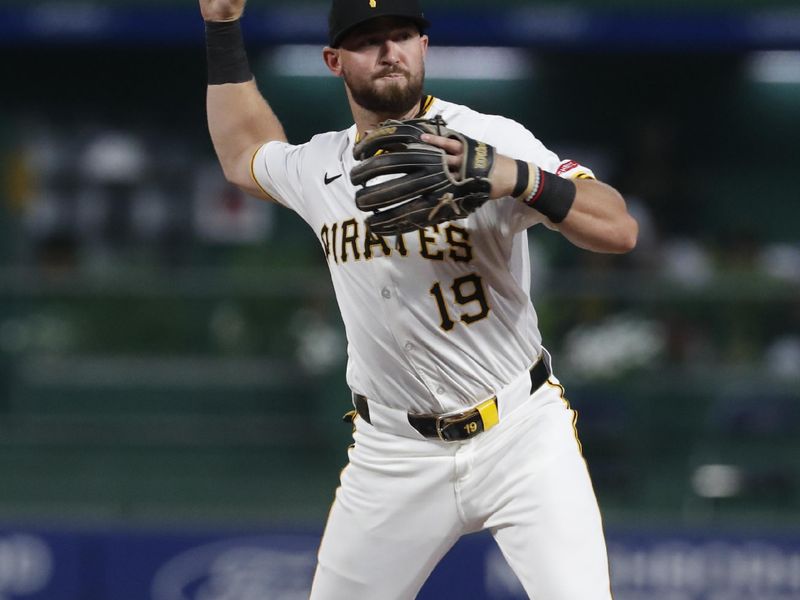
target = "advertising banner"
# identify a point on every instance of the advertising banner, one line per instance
(261, 565)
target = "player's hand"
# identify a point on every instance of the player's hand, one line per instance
(503, 176)
(454, 149)
(221, 10)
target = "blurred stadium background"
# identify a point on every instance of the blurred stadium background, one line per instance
(171, 355)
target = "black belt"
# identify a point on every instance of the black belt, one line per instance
(458, 426)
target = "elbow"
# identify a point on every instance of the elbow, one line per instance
(229, 172)
(627, 235)
(236, 175)
(626, 229)
(238, 172)
(615, 229)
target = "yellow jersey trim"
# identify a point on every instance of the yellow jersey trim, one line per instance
(425, 106)
(253, 176)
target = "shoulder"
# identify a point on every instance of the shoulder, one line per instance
(507, 135)
(461, 117)
(320, 144)
(487, 127)
(332, 139)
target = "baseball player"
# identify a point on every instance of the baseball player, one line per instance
(422, 209)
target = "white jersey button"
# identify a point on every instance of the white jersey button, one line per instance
(440, 390)
(409, 346)
(386, 293)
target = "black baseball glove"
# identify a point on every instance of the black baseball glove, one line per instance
(416, 187)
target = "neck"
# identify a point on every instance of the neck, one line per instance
(367, 120)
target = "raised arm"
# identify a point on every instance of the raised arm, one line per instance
(239, 118)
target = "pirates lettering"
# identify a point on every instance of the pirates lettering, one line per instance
(350, 240)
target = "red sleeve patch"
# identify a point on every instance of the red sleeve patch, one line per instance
(566, 166)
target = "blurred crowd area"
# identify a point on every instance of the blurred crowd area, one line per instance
(169, 346)
(90, 200)
(94, 196)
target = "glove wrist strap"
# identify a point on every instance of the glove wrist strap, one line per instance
(227, 58)
(550, 194)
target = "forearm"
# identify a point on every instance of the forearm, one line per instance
(590, 214)
(599, 220)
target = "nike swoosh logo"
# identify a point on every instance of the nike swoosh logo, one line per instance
(329, 180)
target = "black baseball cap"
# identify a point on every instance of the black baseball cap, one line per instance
(348, 14)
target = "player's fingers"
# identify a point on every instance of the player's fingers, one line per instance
(449, 145)
(454, 162)
(453, 148)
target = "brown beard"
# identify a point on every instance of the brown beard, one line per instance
(391, 100)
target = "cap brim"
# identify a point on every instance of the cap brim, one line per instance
(420, 22)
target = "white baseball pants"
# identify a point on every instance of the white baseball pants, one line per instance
(403, 503)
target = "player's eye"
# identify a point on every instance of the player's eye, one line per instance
(363, 42)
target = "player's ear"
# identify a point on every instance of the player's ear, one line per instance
(423, 40)
(332, 60)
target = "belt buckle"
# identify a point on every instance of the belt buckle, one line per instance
(442, 421)
(439, 431)
(441, 424)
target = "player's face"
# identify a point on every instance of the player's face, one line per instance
(383, 66)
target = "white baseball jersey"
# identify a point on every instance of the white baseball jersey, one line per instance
(436, 320)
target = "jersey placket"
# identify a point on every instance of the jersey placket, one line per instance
(405, 329)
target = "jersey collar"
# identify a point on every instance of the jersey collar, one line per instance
(424, 106)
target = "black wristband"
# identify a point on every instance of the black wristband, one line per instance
(552, 195)
(227, 58)
(523, 175)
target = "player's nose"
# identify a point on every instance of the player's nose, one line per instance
(390, 52)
